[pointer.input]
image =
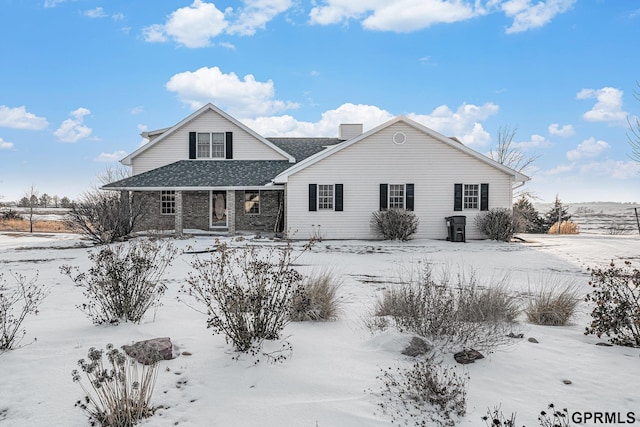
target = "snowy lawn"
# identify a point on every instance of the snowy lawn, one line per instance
(330, 378)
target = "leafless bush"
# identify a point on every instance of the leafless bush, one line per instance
(16, 304)
(124, 281)
(449, 313)
(395, 224)
(497, 224)
(553, 305)
(426, 393)
(118, 394)
(317, 298)
(246, 292)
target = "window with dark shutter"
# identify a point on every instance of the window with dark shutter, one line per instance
(383, 196)
(338, 198)
(484, 197)
(457, 197)
(313, 194)
(192, 145)
(228, 136)
(410, 196)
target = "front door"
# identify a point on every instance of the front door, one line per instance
(218, 209)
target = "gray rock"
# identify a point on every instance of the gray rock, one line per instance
(417, 347)
(468, 356)
(533, 340)
(512, 335)
(150, 351)
(604, 344)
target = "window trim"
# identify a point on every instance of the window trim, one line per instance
(245, 202)
(167, 202)
(211, 146)
(319, 205)
(404, 196)
(467, 199)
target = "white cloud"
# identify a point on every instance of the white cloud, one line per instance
(137, 109)
(5, 145)
(616, 169)
(588, 149)
(226, 45)
(73, 129)
(117, 16)
(464, 123)
(98, 12)
(608, 107)
(20, 118)
(560, 169)
(535, 141)
(192, 26)
(255, 14)
(111, 157)
(527, 16)
(564, 131)
(54, 3)
(243, 98)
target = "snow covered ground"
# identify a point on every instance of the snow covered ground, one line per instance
(330, 378)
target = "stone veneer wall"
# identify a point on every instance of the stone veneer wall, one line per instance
(266, 219)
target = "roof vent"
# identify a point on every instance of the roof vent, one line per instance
(350, 130)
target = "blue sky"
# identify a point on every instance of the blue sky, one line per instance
(80, 79)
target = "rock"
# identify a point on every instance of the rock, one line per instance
(186, 353)
(150, 351)
(604, 344)
(533, 340)
(467, 356)
(417, 347)
(512, 335)
(567, 382)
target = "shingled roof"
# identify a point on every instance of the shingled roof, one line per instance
(205, 174)
(301, 148)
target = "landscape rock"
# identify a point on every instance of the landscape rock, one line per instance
(417, 347)
(533, 340)
(567, 382)
(150, 351)
(467, 356)
(512, 335)
(604, 344)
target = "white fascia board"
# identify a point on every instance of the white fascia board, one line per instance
(269, 186)
(209, 107)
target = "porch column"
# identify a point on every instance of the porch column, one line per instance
(178, 216)
(231, 211)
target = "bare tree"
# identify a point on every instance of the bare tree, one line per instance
(507, 153)
(32, 197)
(634, 131)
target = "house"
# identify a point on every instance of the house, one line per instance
(211, 172)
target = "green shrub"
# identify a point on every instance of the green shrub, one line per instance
(317, 298)
(395, 224)
(616, 294)
(124, 281)
(117, 395)
(496, 224)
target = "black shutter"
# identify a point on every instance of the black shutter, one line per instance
(338, 193)
(228, 140)
(313, 195)
(410, 192)
(192, 145)
(484, 197)
(383, 197)
(457, 197)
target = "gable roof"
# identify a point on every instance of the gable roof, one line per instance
(301, 148)
(209, 107)
(202, 175)
(284, 176)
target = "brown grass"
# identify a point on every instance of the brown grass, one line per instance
(552, 306)
(38, 226)
(566, 227)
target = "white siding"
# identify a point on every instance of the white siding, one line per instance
(176, 146)
(432, 166)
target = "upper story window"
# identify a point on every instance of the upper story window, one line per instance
(471, 196)
(168, 202)
(396, 196)
(210, 145)
(325, 196)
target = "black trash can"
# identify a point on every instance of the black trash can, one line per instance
(456, 228)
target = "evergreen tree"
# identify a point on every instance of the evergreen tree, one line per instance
(526, 217)
(557, 211)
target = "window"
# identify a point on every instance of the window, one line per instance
(471, 194)
(396, 196)
(210, 145)
(251, 202)
(325, 196)
(168, 202)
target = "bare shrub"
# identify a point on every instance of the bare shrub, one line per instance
(566, 227)
(424, 393)
(496, 224)
(616, 294)
(119, 394)
(16, 304)
(10, 214)
(553, 305)
(105, 217)
(395, 224)
(495, 418)
(124, 281)
(448, 313)
(245, 292)
(317, 298)
(554, 418)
